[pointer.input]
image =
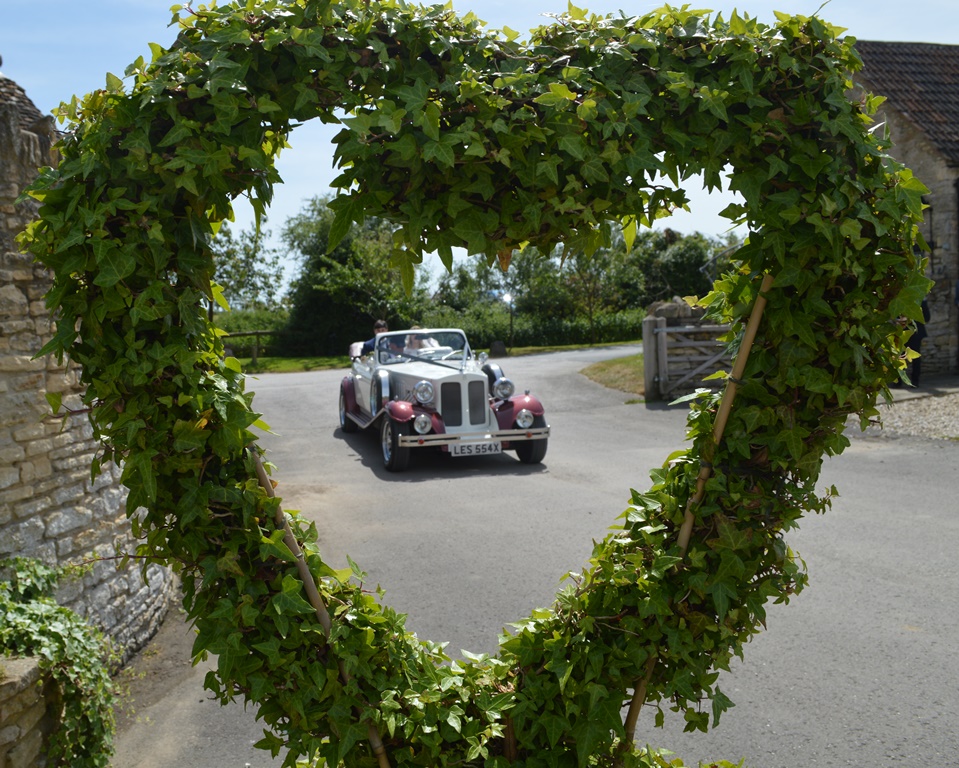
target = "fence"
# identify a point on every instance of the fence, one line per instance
(255, 352)
(678, 357)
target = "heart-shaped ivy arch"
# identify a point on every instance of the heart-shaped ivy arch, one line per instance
(463, 138)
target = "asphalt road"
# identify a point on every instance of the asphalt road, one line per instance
(861, 669)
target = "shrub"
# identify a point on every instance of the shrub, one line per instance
(70, 651)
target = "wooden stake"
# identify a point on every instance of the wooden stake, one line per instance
(722, 415)
(706, 468)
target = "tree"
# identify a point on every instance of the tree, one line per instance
(470, 283)
(339, 293)
(248, 270)
(671, 264)
(586, 277)
(539, 286)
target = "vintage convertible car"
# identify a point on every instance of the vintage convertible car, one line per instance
(426, 388)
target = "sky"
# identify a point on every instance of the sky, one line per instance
(55, 49)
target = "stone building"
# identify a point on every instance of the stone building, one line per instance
(921, 84)
(50, 508)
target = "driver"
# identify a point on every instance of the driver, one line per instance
(393, 349)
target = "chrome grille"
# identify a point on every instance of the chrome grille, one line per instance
(451, 402)
(478, 402)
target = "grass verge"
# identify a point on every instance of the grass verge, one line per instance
(623, 373)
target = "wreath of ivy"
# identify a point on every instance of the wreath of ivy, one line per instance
(468, 138)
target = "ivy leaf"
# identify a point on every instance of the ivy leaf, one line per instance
(722, 593)
(720, 703)
(114, 83)
(440, 151)
(574, 145)
(555, 726)
(431, 121)
(139, 467)
(290, 600)
(188, 437)
(114, 264)
(349, 209)
(559, 96)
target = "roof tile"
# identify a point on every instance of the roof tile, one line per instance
(920, 80)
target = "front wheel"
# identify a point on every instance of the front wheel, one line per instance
(533, 451)
(395, 457)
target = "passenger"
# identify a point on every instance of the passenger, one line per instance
(417, 341)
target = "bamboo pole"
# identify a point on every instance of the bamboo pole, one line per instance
(313, 594)
(725, 406)
(706, 468)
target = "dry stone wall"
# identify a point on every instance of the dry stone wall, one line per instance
(50, 507)
(28, 706)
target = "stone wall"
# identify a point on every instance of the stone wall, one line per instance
(50, 507)
(28, 706)
(940, 350)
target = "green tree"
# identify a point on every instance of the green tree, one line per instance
(539, 286)
(587, 277)
(663, 264)
(339, 292)
(469, 284)
(249, 271)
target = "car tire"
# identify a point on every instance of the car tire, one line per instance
(533, 451)
(346, 423)
(395, 457)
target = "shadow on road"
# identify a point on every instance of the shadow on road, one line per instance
(430, 463)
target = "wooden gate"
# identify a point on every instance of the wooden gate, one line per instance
(678, 357)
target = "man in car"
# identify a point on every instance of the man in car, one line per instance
(379, 327)
(395, 349)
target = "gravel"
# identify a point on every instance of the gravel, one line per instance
(934, 416)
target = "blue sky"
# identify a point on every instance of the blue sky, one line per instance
(57, 48)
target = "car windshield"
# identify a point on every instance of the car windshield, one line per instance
(438, 344)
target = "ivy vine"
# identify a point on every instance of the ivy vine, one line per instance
(462, 137)
(75, 656)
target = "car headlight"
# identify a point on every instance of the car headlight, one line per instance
(503, 388)
(524, 419)
(422, 423)
(423, 392)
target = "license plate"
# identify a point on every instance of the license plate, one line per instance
(476, 449)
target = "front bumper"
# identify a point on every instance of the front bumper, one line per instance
(502, 435)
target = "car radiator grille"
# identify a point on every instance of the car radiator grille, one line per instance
(451, 398)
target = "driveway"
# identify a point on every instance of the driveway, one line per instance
(860, 669)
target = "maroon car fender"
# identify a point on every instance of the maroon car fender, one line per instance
(400, 411)
(349, 393)
(506, 410)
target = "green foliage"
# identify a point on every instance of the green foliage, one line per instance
(252, 320)
(248, 270)
(70, 651)
(557, 294)
(343, 286)
(457, 137)
(661, 265)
